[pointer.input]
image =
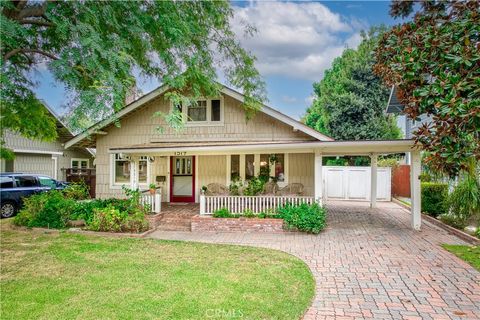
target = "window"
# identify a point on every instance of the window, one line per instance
(203, 112)
(249, 166)
(234, 167)
(122, 170)
(198, 111)
(279, 167)
(265, 166)
(47, 182)
(6, 182)
(215, 110)
(142, 170)
(80, 163)
(26, 181)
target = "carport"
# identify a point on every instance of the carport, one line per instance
(373, 149)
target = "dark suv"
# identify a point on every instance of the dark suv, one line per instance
(15, 186)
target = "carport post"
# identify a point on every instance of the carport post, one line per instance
(318, 178)
(415, 170)
(373, 180)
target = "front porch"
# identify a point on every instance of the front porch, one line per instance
(182, 172)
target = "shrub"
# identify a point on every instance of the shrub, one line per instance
(453, 220)
(304, 217)
(388, 162)
(248, 213)
(84, 210)
(47, 210)
(434, 196)
(223, 213)
(111, 219)
(77, 191)
(464, 201)
(235, 187)
(254, 187)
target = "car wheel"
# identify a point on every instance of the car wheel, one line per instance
(8, 209)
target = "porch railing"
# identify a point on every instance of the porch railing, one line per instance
(154, 201)
(257, 204)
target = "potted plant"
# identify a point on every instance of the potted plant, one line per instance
(152, 188)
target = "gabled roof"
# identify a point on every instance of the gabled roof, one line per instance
(133, 106)
(394, 105)
(64, 133)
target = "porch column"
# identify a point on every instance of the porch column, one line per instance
(318, 178)
(415, 170)
(373, 180)
(133, 174)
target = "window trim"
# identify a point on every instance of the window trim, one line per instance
(134, 161)
(208, 122)
(257, 167)
(79, 160)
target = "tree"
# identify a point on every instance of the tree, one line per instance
(434, 60)
(350, 100)
(95, 48)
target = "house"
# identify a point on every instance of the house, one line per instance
(218, 145)
(408, 126)
(48, 158)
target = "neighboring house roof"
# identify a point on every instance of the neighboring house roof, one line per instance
(394, 105)
(128, 109)
(64, 133)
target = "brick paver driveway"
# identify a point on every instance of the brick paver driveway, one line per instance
(370, 264)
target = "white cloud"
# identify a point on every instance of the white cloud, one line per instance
(289, 99)
(297, 40)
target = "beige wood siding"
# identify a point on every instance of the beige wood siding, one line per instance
(29, 162)
(141, 127)
(212, 169)
(301, 170)
(34, 163)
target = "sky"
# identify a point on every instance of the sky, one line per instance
(295, 43)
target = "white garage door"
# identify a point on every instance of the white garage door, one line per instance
(353, 183)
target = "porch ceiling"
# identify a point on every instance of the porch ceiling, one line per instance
(323, 147)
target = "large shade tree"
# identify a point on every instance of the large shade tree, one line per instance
(96, 49)
(434, 60)
(350, 100)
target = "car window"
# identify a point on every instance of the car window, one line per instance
(26, 181)
(6, 182)
(47, 182)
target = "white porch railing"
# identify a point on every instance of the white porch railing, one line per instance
(257, 204)
(154, 201)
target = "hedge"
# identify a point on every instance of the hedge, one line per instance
(434, 195)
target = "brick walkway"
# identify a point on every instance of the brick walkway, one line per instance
(369, 264)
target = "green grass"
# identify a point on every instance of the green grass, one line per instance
(66, 276)
(470, 254)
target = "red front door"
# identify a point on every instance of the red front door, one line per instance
(182, 179)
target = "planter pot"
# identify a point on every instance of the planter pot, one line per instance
(152, 191)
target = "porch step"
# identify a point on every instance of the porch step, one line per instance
(175, 222)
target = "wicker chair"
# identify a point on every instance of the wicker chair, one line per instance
(291, 189)
(216, 189)
(270, 188)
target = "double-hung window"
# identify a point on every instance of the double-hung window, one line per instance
(121, 170)
(203, 112)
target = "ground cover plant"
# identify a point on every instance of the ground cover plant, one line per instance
(66, 276)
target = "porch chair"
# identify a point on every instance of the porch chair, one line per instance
(216, 189)
(270, 188)
(291, 189)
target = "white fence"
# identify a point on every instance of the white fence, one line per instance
(257, 204)
(154, 201)
(353, 183)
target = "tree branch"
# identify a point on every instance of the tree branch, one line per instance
(36, 22)
(13, 52)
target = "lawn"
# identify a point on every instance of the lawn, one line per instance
(470, 254)
(65, 276)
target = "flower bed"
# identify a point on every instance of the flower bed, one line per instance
(305, 217)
